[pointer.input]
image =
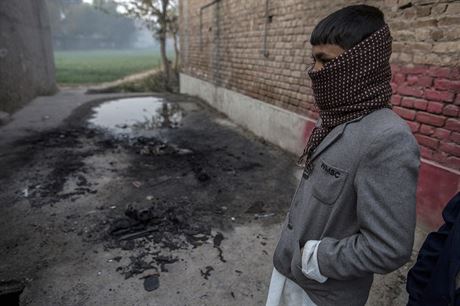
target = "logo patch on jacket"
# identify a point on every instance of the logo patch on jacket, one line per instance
(330, 170)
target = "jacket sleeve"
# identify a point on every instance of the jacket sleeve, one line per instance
(419, 275)
(385, 184)
(310, 267)
(430, 255)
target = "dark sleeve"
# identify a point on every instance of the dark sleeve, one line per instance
(420, 274)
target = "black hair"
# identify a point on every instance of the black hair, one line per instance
(348, 26)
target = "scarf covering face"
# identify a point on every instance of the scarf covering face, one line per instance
(355, 83)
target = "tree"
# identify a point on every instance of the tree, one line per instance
(173, 29)
(77, 25)
(158, 15)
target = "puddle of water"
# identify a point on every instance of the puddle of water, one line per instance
(134, 116)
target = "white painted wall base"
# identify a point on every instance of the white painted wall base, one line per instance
(276, 125)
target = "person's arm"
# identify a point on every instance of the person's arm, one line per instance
(429, 254)
(385, 184)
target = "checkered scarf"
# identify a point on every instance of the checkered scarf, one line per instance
(355, 83)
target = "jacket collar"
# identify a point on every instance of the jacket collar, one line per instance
(332, 136)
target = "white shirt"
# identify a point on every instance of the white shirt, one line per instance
(284, 292)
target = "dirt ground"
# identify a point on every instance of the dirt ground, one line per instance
(181, 207)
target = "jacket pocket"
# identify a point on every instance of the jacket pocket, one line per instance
(301, 279)
(327, 182)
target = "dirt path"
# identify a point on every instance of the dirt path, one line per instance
(92, 218)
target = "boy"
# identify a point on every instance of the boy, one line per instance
(353, 213)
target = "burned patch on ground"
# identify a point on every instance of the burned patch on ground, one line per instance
(148, 195)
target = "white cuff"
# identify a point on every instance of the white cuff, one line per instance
(310, 265)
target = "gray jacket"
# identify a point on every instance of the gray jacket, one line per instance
(359, 200)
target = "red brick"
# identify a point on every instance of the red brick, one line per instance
(451, 110)
(455, 137)
(405, 113)
(420, 80)
(414, 103)
(454, 73)
(450, 148)
(453, 124)
(412, 79)
(427, 141)
(425, 81)
(426, 129)
(420, 104)
(436, 95)
(393, 88)
(399, 78)
(410, 91)
(430, 119)
(453, 162)
(407, 102)
(457, 100)
(396, 100)
(439, 72)
(426, 153)
(414, 69)
(435, 107)
(441, 133)
(440, 157)
(443, 84)
(414, 126)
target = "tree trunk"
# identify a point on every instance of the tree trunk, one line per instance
(164, 58)
(162, 20)
(176, 50)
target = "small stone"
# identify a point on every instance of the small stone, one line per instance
(137, 184)
(203, 177)
(151, 282)
(184, 151)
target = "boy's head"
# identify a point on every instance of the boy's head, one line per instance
(342, 30)
(352, 72)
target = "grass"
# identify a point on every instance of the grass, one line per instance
(92, 67)
(151, 83)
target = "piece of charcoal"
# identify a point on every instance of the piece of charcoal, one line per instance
(218, 239)
(207, 272)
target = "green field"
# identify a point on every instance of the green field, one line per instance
(91, 67)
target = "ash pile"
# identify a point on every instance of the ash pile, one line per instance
(154, 229)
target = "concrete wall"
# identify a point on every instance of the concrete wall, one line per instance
(226, 47)
(26, 55)
(272, 123)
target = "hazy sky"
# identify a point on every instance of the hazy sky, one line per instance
(88, 1)
(120, 9)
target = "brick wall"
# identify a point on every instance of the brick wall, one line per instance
(229, 52)
(427, 97)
